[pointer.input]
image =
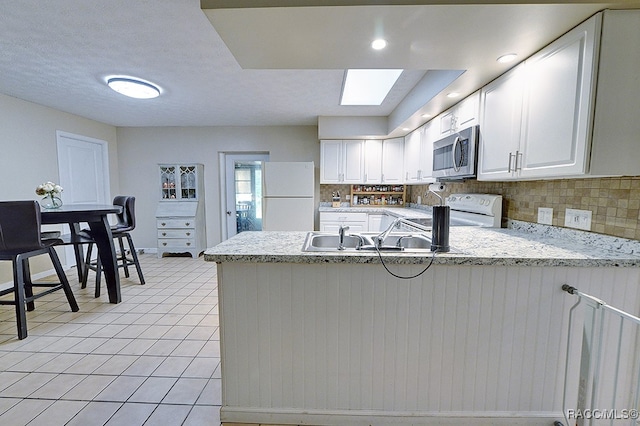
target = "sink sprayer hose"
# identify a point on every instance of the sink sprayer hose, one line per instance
(411, 277)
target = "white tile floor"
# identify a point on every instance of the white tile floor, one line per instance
(153, 359)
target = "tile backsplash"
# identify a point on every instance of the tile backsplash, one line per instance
(614, 202)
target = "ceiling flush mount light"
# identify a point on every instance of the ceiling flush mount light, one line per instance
(379, 44)
(133, 88)
(453, 95)
(509, 57)
(367, 87)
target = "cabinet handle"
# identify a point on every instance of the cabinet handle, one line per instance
(188, 244)
(187, 223)
(164, 244)
(365, 177)
(163, 224)
(382, 177)
(164, 234)
(407, 177)
(518, 157)
(188, 233)
(511, 155)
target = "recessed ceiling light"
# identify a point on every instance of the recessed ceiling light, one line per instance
(379, 44)
(368, 87)
(507, 58)
(453, 95)
(133, 87)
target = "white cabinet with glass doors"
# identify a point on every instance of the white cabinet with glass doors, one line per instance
(180, 213)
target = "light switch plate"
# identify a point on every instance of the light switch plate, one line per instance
(545, 215)
(580, 219)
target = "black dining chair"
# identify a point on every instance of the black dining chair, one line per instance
(19, 241)
(121, 231)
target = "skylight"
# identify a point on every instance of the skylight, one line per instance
(368, 87)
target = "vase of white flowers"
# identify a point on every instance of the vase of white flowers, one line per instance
(50, 192)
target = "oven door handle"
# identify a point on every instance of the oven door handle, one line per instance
(456, 166)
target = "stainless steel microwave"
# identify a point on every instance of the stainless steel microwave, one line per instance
(455, 157)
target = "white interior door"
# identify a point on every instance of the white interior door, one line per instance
(83, 165)
(233, 219)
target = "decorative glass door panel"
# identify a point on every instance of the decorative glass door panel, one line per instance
(168, 179)
(188, 182)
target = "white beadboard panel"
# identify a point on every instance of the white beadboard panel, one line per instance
(351, 338)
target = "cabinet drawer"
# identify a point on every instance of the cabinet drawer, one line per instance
(343, 217)
(187, 222)
(182, 243)
(176, 233)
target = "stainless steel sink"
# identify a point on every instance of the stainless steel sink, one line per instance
(408, 241)
(320, 241)
(366, 241)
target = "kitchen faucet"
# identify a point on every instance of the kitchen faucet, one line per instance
(341, 232)
(396, 223)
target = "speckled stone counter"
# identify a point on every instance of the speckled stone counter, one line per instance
(521, 245)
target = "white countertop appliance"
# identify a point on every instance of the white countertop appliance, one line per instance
(287, 196)
(475, 210)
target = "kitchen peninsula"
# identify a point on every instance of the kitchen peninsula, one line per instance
(331, 338)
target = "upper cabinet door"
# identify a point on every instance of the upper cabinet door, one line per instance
(412, 154)
(353, 154)
(501, 106)
(393, 160)
(557, 105)
(330, 161)
(373, 161)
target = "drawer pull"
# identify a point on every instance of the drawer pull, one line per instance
(188, 233)
(188, 244)
(187, 223)
(164, 244)
(163, 224)
(164, 234)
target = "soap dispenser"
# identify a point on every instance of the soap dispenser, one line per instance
(439, 223)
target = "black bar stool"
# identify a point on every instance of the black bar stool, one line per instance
(19, 241)
(121, 230)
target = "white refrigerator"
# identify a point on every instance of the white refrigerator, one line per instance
(287, 196)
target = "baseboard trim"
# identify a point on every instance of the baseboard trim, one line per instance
(385, 418)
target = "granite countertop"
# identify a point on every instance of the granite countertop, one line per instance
(522, 244)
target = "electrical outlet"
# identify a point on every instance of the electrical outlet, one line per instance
(545, 215)
(580, 219)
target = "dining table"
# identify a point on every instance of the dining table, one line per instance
(96, 216)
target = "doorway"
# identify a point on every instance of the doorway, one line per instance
(243, 192)
(83, 166)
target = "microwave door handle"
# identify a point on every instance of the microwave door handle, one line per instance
(456, 166)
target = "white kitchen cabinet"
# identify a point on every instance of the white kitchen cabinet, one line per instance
(373, 161)
(614, 145)
(418, 154)
(332, 221)
(341, 161)
(180, 219)
(500, 122)
(412, 151)
(556, 109)
(535, 118)
(460, 116)
(378, 222)
(384, 161)
(393, 160)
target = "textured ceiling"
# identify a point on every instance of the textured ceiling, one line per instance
(58, 54)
